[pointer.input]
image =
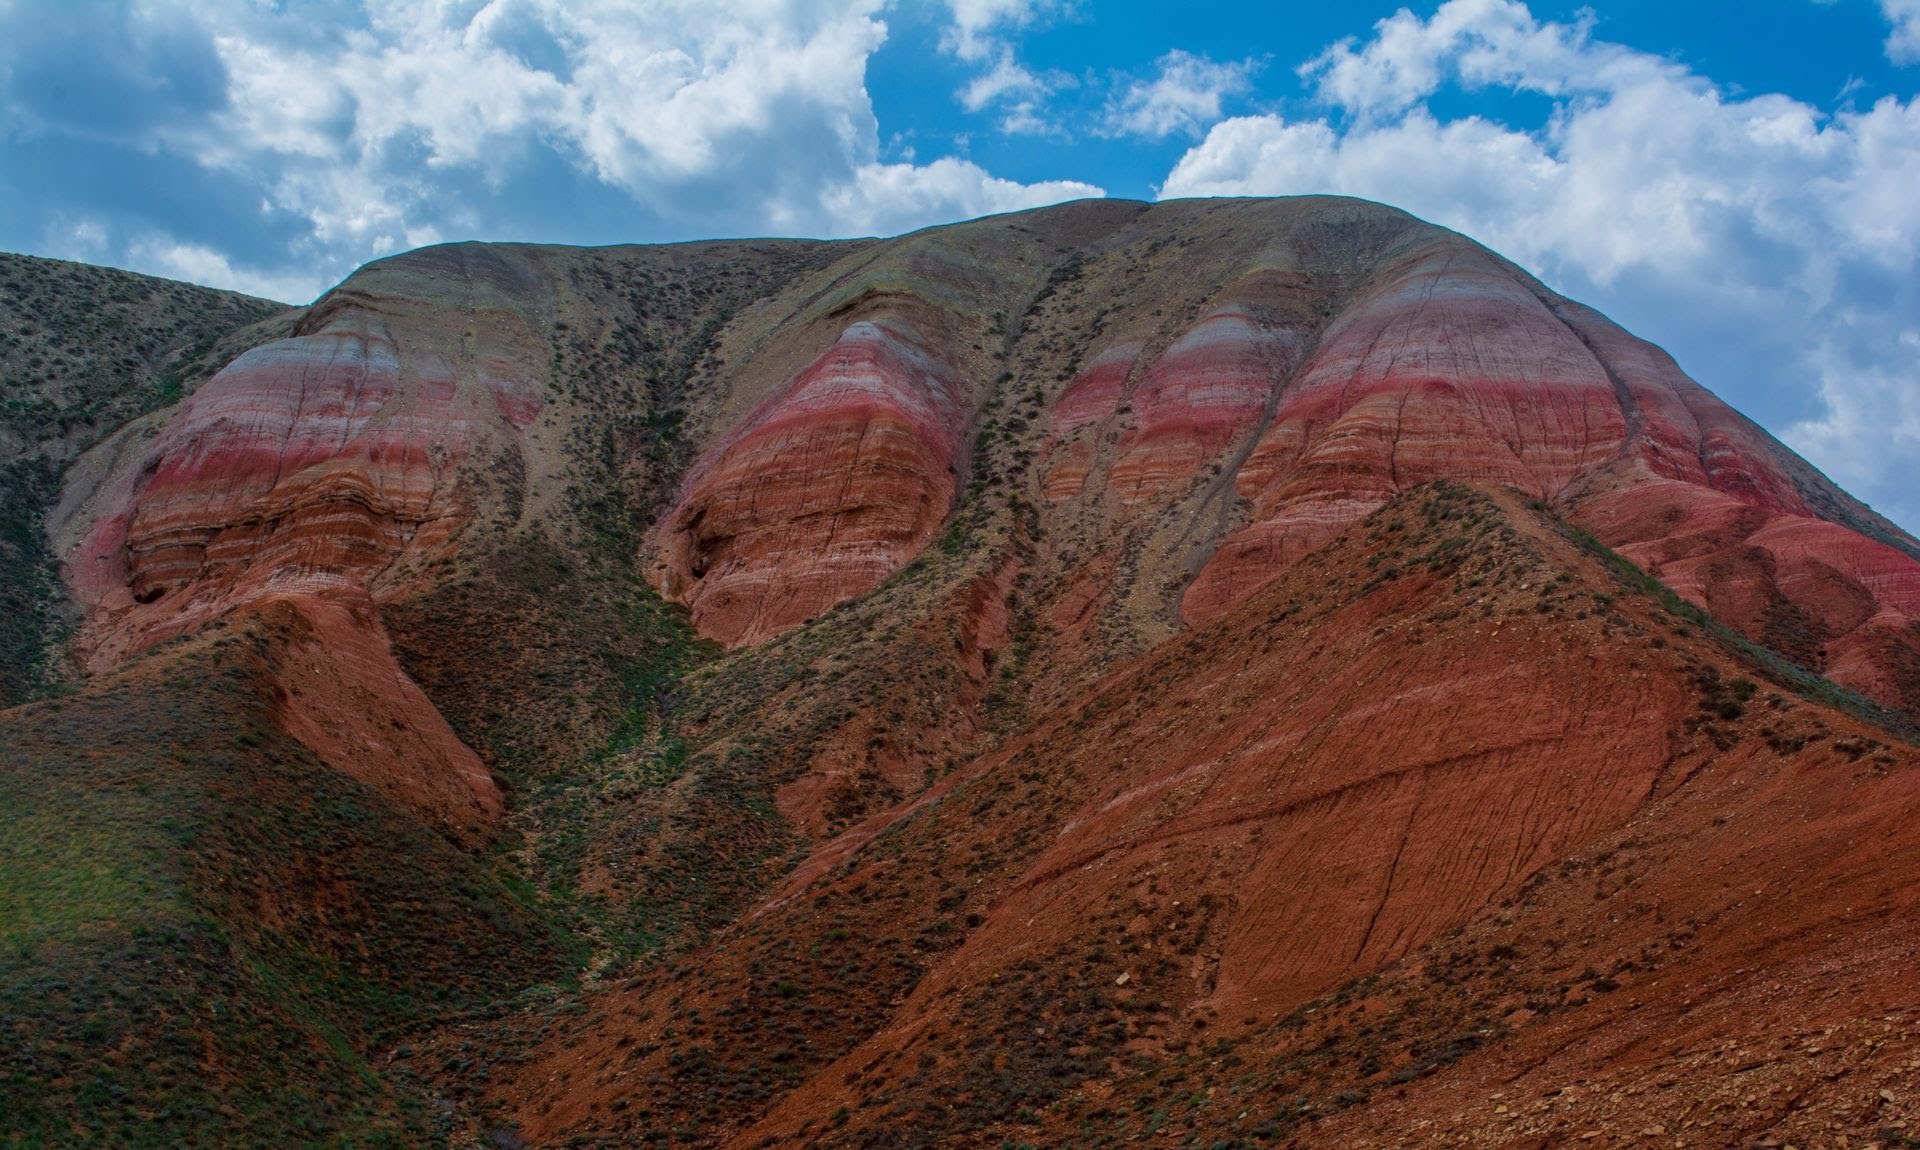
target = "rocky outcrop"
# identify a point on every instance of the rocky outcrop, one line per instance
(304, 465)
(1456, 365)
(1198, 395)
(1170, 668)
(305, 475)
(1448, 366)
(1199, 398)
(839, 479)
(1194, 398)
(308, 465)
(1092, 398)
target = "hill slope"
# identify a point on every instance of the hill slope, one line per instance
(83, 350)
(1442, 791)
(1194, 668)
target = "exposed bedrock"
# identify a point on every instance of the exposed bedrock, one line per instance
(1455, 365)
(307, 464)
(1197, 399)
(1092, 398)
(1449, 367)
(834, 483)
(302, 475)
(1194, 401)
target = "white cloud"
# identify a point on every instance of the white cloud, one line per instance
(1870, 401)
(975, 34)
(1007, 79)
(743, 105)
(978, 34)
(1774, 248)
(1479, 42)
(368, 127)
(196, 263)
(894, 197)
(1903, 45)
(92, 240)
(82, 238)
(1186, 96)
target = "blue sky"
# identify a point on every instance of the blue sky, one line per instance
(1734, 180)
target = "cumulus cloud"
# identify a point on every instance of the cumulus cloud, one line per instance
(1474, 42)
(355, 129)
(1773, 247)
(980, 33)
(1184, 97)
(1005, 82)
(1903, 46)
(898, 196)
(979, 27)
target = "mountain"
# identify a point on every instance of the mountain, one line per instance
(83, 350)
(1228, 672)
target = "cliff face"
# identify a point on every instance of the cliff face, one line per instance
(1095, 634)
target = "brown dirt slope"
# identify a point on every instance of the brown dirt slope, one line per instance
(1373, 830)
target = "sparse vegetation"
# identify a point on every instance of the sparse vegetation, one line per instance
(83, 350)
(1006, 852)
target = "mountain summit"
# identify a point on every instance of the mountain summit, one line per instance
(1236, 671)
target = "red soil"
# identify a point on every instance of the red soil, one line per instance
(1326, 783)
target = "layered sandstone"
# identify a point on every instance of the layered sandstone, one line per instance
(300, 477)
(840, 478)
(1448, 366)
(1200, 397)
(1092, 398)
(1453, 364)
(1193, 396)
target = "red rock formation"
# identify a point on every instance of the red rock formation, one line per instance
(298, 476)
(1324, 785)
(1339, 360)
(1009, 846)
(1448, 367)
(1750, 979)
(1825, 596)
(1455, 366)
(1087, 402)
(1200, 396)
(277, 470)
(835, 483)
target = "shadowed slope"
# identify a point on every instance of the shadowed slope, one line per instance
(205, 930)
(83, 350)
